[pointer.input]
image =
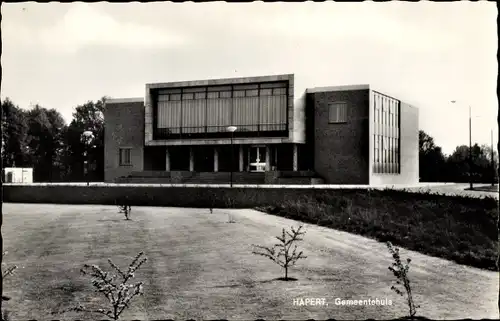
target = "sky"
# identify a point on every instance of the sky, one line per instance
(425, 53)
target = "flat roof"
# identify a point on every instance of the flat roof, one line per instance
(221, 81)
(124, 100)
(336, 88)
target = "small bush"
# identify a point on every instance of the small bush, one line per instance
(124, 207)
(280, 253)
(5, 273)
(8, 271)
(213, 202)
(119, 294)
(229, 202)
(400, 271)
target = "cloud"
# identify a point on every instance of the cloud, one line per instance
(84, 25)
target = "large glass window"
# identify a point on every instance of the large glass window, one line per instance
(250, 107)
(386, 158)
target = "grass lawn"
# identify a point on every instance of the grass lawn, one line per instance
(200, 266)
(456, 228)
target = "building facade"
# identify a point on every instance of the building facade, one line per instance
(181, 133)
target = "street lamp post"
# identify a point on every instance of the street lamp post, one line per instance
(470, 146)
(87, 137)
(232, 129)
(493, 170)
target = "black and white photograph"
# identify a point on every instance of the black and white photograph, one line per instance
(250, 160)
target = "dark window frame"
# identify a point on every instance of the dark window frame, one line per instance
(123, 160)
(338, 120)
(250, 90)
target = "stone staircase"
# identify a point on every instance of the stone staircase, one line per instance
(225, 178)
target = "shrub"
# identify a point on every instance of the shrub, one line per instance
(124, 207)
(119, 294)
(280, 253)
(400, 271)
(5, 273)
(229, 202)
(10, 270)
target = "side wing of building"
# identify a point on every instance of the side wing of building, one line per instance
(123, 137)
(393, 141)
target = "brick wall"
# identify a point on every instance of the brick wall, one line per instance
(123, 128)
(341, 151)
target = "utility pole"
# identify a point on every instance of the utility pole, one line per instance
(470, 145)
(470, 149)
(232, 158)
(493, 170)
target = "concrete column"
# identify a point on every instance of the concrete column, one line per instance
(241, 157)
(216, 160)
(248, 166)
(167, 160)
(191, 159)
(295, 158)
(268, 158)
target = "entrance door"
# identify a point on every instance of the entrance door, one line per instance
(257, 158)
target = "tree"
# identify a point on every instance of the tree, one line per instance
(46, 129)
(491, 168)
(89, 116)
(431, 159)
(458, 166)
(400, 271)
(282, 253)
(114, 287)
(483, 167)
(14, 135)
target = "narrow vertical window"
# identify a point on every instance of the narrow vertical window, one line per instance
(125, 156)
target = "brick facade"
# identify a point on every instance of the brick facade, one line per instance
(340, 152)
(124, 119)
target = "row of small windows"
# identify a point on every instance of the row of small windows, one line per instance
(223, 94)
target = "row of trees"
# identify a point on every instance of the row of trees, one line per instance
(438, 167)
(40, 138)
